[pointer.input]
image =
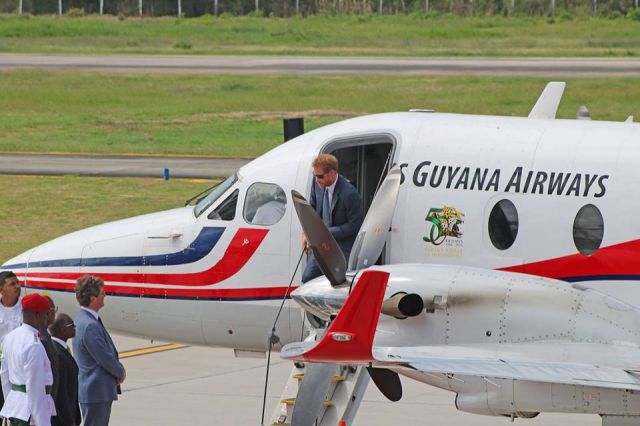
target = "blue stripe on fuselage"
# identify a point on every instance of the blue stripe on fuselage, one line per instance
(199, 248)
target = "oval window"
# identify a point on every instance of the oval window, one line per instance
(503, 224)
(264, 204)
(588, 229)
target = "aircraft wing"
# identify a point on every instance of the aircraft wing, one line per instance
(350, 340)
(447, 360)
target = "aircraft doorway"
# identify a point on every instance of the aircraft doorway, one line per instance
(364, 162)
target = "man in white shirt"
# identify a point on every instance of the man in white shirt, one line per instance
(10, 309)
(26, 371)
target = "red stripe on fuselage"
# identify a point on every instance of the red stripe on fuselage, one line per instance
(242, 247)
(618, 259)
(242, 293)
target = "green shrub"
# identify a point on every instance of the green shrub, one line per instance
(75, 12)
(183, 45)
(256, 13)
(635, 15)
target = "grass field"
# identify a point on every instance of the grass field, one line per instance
(39, 208)
(372, 35)
(242, 116)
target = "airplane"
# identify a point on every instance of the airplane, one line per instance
(489, 210)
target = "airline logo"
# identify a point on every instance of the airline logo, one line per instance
(445, 222)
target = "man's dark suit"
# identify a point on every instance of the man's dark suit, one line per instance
(100, 369)
(347, 215)
(67, 399)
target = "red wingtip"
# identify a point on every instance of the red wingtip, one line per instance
(349, 338)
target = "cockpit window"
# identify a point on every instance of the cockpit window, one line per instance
(226, 210)
(212, 196)
(264, 204)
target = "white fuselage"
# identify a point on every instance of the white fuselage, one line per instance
(203, 280)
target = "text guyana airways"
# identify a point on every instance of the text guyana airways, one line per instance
(519, 180)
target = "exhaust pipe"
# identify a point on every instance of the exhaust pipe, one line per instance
(402, 305)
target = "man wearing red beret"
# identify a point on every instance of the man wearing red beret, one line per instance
(26, 372)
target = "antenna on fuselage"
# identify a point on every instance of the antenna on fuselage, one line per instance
(547, 104)
(583, 113)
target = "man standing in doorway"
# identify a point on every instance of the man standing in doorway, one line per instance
(101, 372)
(339, 205)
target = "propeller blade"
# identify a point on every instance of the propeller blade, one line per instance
(324, 246)
(312, 393)
(373, 232)
(388, 382)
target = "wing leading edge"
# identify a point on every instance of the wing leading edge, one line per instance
(474, 364)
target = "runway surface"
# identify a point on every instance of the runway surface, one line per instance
(260, 65)
(207, 386)
(119, 165)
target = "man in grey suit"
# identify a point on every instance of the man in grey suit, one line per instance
(101, 373)
(339, 205)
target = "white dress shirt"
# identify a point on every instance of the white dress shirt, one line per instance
(62, 342)
(92, 312)
(10, 318)
(331, 188)
(25, 362)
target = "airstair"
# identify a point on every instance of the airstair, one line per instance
(341, 402)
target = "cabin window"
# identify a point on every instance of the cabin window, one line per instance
(264, 204)
(503, 224)
(226, 210)
(216, 192)
(588, 229)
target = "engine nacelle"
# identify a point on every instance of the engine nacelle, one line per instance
(489, 404)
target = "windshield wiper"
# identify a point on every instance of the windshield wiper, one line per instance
(199, 194)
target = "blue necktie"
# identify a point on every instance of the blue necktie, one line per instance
(326, 209)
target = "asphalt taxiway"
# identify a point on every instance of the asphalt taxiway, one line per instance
(209, 386)
(119, 165)
(326, 65)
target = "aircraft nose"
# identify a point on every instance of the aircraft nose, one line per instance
(18, 262)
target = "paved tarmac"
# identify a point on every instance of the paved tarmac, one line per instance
(119, 165)
(260, 65)
(207, 386)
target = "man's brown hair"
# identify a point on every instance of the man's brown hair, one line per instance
(86, 287)
(326, 162)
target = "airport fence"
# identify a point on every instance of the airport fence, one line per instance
(283, 8)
